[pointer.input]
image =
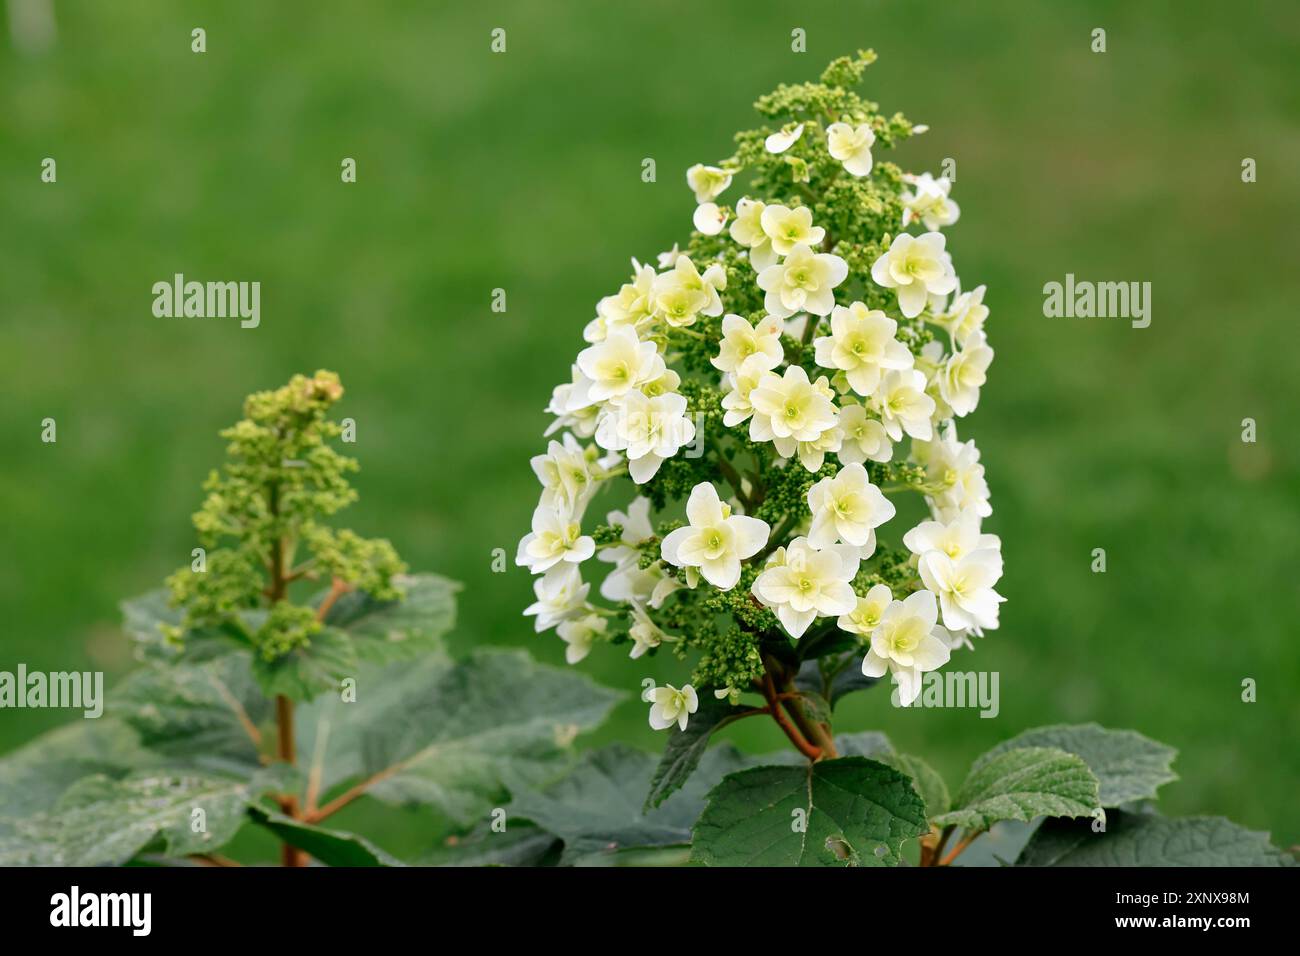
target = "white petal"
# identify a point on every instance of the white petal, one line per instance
(751, 535)
(873, 665)
(782, 140)
(704, 508)
(709, 219)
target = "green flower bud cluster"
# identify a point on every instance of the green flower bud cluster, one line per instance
(607, 535)
(261, 525)
(732, 659)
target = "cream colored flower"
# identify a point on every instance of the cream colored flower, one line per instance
(788, 228)
(555, 537)
(812, 454)
(903, 405)
(956, 538)
(715, 541)
(566, 475)
(561, 595)
(928, 201)
(580, 634)
(632, 305)
(908, 642)
(645, 634)
(747, 230)
(915, 267)
(865, 617)
(862, 344)
(847, 508)
(742, 341)
(742, 383)
(618, 364)
(648, 430)
(964, 587)
(682, 293)
(965, 316)
(789, 408)
(851, 146)
(954, 474)
(863, 437)
(707, 181)
(800, 584)
(964, 373)
(669, 706)
(804, 282)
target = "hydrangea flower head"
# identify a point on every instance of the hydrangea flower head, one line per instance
(759, 401)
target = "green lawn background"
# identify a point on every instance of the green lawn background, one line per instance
(522, 171)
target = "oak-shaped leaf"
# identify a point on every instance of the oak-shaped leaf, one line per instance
(852, 811)
(1022, 784)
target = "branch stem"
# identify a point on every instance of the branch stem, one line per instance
(964, 842)
(338, 588)
(285, 747)
(733, 478)
(768, 690)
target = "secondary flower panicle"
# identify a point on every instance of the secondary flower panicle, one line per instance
(770, 388)
(263, 525)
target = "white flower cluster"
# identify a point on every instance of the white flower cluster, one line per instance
(622, 414)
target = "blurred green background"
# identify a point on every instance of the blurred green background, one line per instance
(522, 171)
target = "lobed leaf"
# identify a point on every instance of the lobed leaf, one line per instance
(1127, 765)
(456, 736)
(385, 631)
(597, 808)
(1022, 784)
(521, 844)
(33, 777)
(865, 743)
(144, 616)
(685, 748)
(207, 715)
(102, 821)
(925, 781)
(1147, 839)
(846, 812)
(309, 670)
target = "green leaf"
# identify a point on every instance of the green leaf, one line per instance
(854, 812)
(830, 640)
(521, 844)
(815, 707)
(102, 821)
(144, 617)
(640, 856)
(453, 735)
(866, 743)
(33, 777)
(331, 847)
(846, 680)
(1022, 784)
(925, 781)
(307, 671)
(850, 680)
(597, 807)
(385, 631)
(685, 747)
(1146, 839)
(208, 715)
(1127, 765)
(1000, 845)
